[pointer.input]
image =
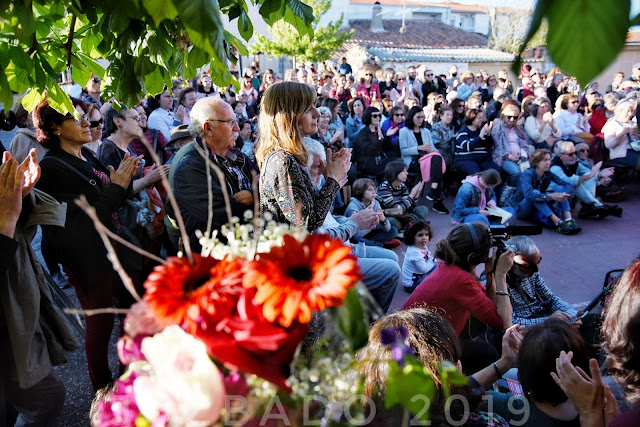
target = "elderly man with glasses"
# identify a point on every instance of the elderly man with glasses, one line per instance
(216, 129)
(579, 180)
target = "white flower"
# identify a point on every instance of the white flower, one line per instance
(184, 384)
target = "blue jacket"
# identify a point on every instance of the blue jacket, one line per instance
(532, 187)
(467, 201)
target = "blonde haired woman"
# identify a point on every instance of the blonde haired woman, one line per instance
(287, 116)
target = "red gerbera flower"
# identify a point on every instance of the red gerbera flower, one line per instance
(190, 295)
(298, 278)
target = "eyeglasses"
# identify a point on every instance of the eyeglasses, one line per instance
(77, 120)
(511, 117)
(401, 79)
(95, 123)
(374, 116)
(429, 74)
(398, 115)
(136, 118)
(584, 150)
(368, 74)
(569, 154)
(231, 122)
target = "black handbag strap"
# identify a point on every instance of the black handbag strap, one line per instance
(91, 181)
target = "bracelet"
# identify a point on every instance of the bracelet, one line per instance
(502, 293)
(497, 370)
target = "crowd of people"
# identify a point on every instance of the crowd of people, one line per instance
(356, 158)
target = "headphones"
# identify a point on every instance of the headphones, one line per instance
(478, 255)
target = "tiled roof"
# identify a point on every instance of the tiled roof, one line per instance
(455, 7)
(633, 37)
(440, 55)
(418, 34)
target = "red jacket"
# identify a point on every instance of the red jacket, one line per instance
(368, 95)
(456, 295)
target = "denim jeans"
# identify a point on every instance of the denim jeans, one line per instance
(471, 167)
(541, 211)
(381, 274)
(513, 172)
(484, 219)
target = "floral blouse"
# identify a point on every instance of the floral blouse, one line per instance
(287, 192)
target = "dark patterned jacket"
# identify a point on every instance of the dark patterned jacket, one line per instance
(287, 192)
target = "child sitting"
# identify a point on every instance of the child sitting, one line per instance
(474, 196)
(418, 260)
(363, 196)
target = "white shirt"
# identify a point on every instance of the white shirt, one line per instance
(161, 120)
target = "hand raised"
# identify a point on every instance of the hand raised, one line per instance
(129, 166)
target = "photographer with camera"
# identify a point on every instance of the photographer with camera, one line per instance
(455, 291)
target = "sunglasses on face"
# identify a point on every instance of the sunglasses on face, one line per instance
(583, 151)
(569, 154)
(511, 117)
(80, 120)
(95, 123)
(97, 79)
(398, 115)
(368, 74)
(375, 116)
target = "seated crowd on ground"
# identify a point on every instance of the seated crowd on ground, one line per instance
(358, 158)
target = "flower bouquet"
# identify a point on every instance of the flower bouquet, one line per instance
(228, 325)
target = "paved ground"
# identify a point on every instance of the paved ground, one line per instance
(573, 266)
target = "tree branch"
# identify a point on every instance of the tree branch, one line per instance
(69, 43)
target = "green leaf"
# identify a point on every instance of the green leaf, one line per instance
(245, 27)
(538, 15)
(585, 53)
(154, 82)
(300, 16)
(160, 10)
(23, 21)
(118, 22)
(31, 100)
(90, 42)
(17, 77)
(6, 96)
(410, 386)
(160, 50)
(58, 98)
(635, 21)
(95, 68)
(203, 23)
(195, 59)
(351, 320)
(143, 66)
(234, 41)
(272, 10)
(79, 72)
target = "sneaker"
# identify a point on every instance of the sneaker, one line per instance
(574, 226)
(391, 244)
(439, 207)
(564, 228)
(433, 194)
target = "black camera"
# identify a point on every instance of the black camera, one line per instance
(499, 233)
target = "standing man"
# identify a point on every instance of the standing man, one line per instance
(216, 129)
(345, 68)
(432, 83)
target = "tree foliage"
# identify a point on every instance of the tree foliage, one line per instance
(508, 31)
(146, 42)
(318, 45)
(584, 36)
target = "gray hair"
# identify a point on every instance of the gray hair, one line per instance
(202, 111)
(610, 99)
(562, 146)
(621, 106)
(533, 109)
(325, 110)
(524, 245)
(314, 148)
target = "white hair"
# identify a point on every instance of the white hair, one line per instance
(314, 148)
(203, 110)
(562, 146)
(524, 245)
